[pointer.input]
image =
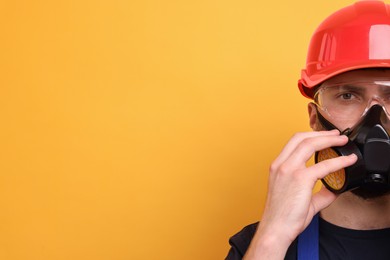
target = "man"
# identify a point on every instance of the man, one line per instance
(348, 77)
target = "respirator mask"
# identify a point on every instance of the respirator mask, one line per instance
(368, 139)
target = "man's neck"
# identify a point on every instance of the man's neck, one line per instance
(351, 211)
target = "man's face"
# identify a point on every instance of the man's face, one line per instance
(343, 100)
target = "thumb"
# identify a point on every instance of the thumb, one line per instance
(322, 199)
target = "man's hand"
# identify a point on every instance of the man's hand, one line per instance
(290, 204)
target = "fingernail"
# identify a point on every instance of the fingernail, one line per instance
(352, 155)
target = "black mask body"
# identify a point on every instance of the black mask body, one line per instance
(369, 140)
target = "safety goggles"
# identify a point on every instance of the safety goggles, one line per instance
(349, 101)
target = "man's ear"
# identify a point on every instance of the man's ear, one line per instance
(313, 118)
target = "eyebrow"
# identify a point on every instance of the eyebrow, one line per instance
(353, 88)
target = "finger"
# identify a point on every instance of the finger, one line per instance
(297, 139)
(321, 200)
(305, 150)
(323, 168)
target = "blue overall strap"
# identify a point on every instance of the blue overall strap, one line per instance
(308, 244)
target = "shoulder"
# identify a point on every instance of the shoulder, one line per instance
(244, 236)
(240, 242)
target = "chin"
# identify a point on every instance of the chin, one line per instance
(370, 193)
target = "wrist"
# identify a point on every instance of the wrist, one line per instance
(268, 245)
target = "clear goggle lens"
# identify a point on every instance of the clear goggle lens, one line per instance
(349, 101)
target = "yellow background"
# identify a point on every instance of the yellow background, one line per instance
(144, 129)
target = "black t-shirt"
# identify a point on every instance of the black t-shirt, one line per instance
(335, 243)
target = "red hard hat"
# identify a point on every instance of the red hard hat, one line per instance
(355, 37)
